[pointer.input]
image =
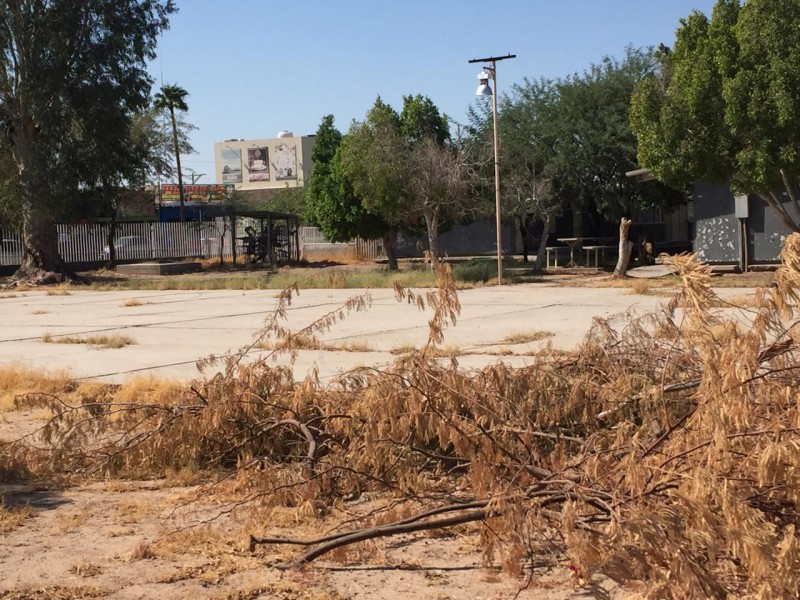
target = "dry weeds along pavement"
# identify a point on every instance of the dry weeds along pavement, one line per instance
(170, 330)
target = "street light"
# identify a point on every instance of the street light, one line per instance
(484, 89)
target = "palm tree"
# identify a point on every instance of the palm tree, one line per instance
(172, 97)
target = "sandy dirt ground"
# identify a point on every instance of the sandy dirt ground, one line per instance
(134, 540)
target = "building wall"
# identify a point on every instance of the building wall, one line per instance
(716, 228)
(717, 234)
(264, 164)
(477, 238)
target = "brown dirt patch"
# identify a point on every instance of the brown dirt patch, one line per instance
(124, 540)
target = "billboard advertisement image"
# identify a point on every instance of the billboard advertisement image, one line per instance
(285, 161)
(231, 165)
(258, 164)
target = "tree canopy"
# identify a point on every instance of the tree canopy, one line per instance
(724, 105)
(73, 75)
(154, 144)
(331, 202)
(403, 169)
(172, 98)
(567, 144)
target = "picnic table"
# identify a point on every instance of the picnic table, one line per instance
(574, 242)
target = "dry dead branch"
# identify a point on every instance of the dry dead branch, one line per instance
(660, 452)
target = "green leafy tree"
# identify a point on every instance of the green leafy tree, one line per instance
(331, 202)
(155, 146)
(595, 145)
(404, 169)
(567, 143)
(290, 200)
(420, 119)
(374, 160)
(73, 74)
(528, 157)
(724, 105)
(173, 98)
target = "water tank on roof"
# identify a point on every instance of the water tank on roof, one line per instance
(285, 134)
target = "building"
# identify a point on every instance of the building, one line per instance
(262, 167)
(738, 229)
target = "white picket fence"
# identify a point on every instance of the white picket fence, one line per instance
(88, 242)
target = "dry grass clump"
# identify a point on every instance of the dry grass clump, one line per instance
(18, 380)
(86, 569)
(663, 453)
(526, 337)
(640, 287)
(61, 290)
(404, 348)
(349, 346)
(13, 517)
(155, 389)
(101, 341)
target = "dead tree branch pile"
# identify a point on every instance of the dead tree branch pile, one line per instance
(665, 450)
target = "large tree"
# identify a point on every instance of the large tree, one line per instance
(172, 98)
(375, 162)
(437, 186)
(595, 144)
(73, 74)
(725, 104)
(567, 143)
(154, 145)
(437, 175)
(331, 202)
(528, 157)
(404, 169)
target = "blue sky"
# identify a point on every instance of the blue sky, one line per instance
(253, 68)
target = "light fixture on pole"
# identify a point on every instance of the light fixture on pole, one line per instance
(484, 89)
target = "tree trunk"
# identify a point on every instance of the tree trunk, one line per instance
(432, 225)
(389, 238)
(222, 249)
(523, 231)
(773, 201)
(625, 247)
(577, 230)
(112, 236)
(177, 161)
(539, 264)
(41, 263)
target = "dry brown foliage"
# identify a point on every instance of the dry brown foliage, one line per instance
(660, 453)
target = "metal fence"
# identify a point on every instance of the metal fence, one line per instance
(88, 242)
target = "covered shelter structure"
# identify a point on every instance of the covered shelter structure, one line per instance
(266, 236)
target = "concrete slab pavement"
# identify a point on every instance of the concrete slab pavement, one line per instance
(173, 329)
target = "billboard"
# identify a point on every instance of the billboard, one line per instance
(198, 192)
(285, 161)
(258, 164)
(231, 165)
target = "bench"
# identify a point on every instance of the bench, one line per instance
(598, 251)
(554, 250)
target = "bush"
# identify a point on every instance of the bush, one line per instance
(476, 270)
